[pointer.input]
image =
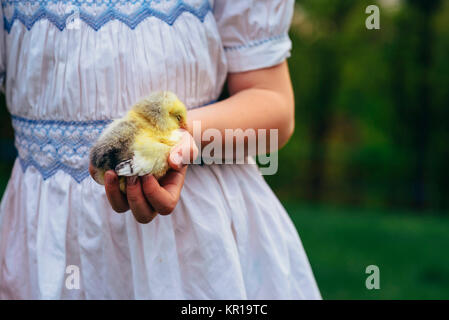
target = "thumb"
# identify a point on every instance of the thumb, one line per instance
(185, 152)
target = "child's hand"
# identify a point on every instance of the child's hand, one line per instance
(146, 196)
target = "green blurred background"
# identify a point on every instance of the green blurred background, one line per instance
(365, 176)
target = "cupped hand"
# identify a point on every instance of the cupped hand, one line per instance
(146, 196)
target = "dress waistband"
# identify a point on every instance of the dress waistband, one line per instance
(52, 145)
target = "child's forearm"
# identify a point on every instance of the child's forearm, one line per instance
(261, 99)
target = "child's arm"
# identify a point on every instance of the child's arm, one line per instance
(260, 99)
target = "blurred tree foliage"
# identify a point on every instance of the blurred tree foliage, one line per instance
(371, 105)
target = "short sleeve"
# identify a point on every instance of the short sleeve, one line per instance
(254, 32)
(2, 50)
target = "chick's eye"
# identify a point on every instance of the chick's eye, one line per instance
(178, 117)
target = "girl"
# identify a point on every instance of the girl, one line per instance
(69, 67)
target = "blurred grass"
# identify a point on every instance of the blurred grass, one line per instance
(409, 249)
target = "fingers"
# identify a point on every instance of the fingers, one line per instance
(92, 170)
(116, 198)
(175, 160)
(146, 197)
(164, 195)
(94, 174)
(142, 197)
(137, 202)
(185, 152)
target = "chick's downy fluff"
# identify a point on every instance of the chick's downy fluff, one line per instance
(140, 142)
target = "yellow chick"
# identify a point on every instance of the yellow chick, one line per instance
(141, 141)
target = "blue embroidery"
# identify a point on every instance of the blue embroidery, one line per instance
(257, 43)
(96, 13)
(50, 145)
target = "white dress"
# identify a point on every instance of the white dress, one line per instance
(69, 67)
